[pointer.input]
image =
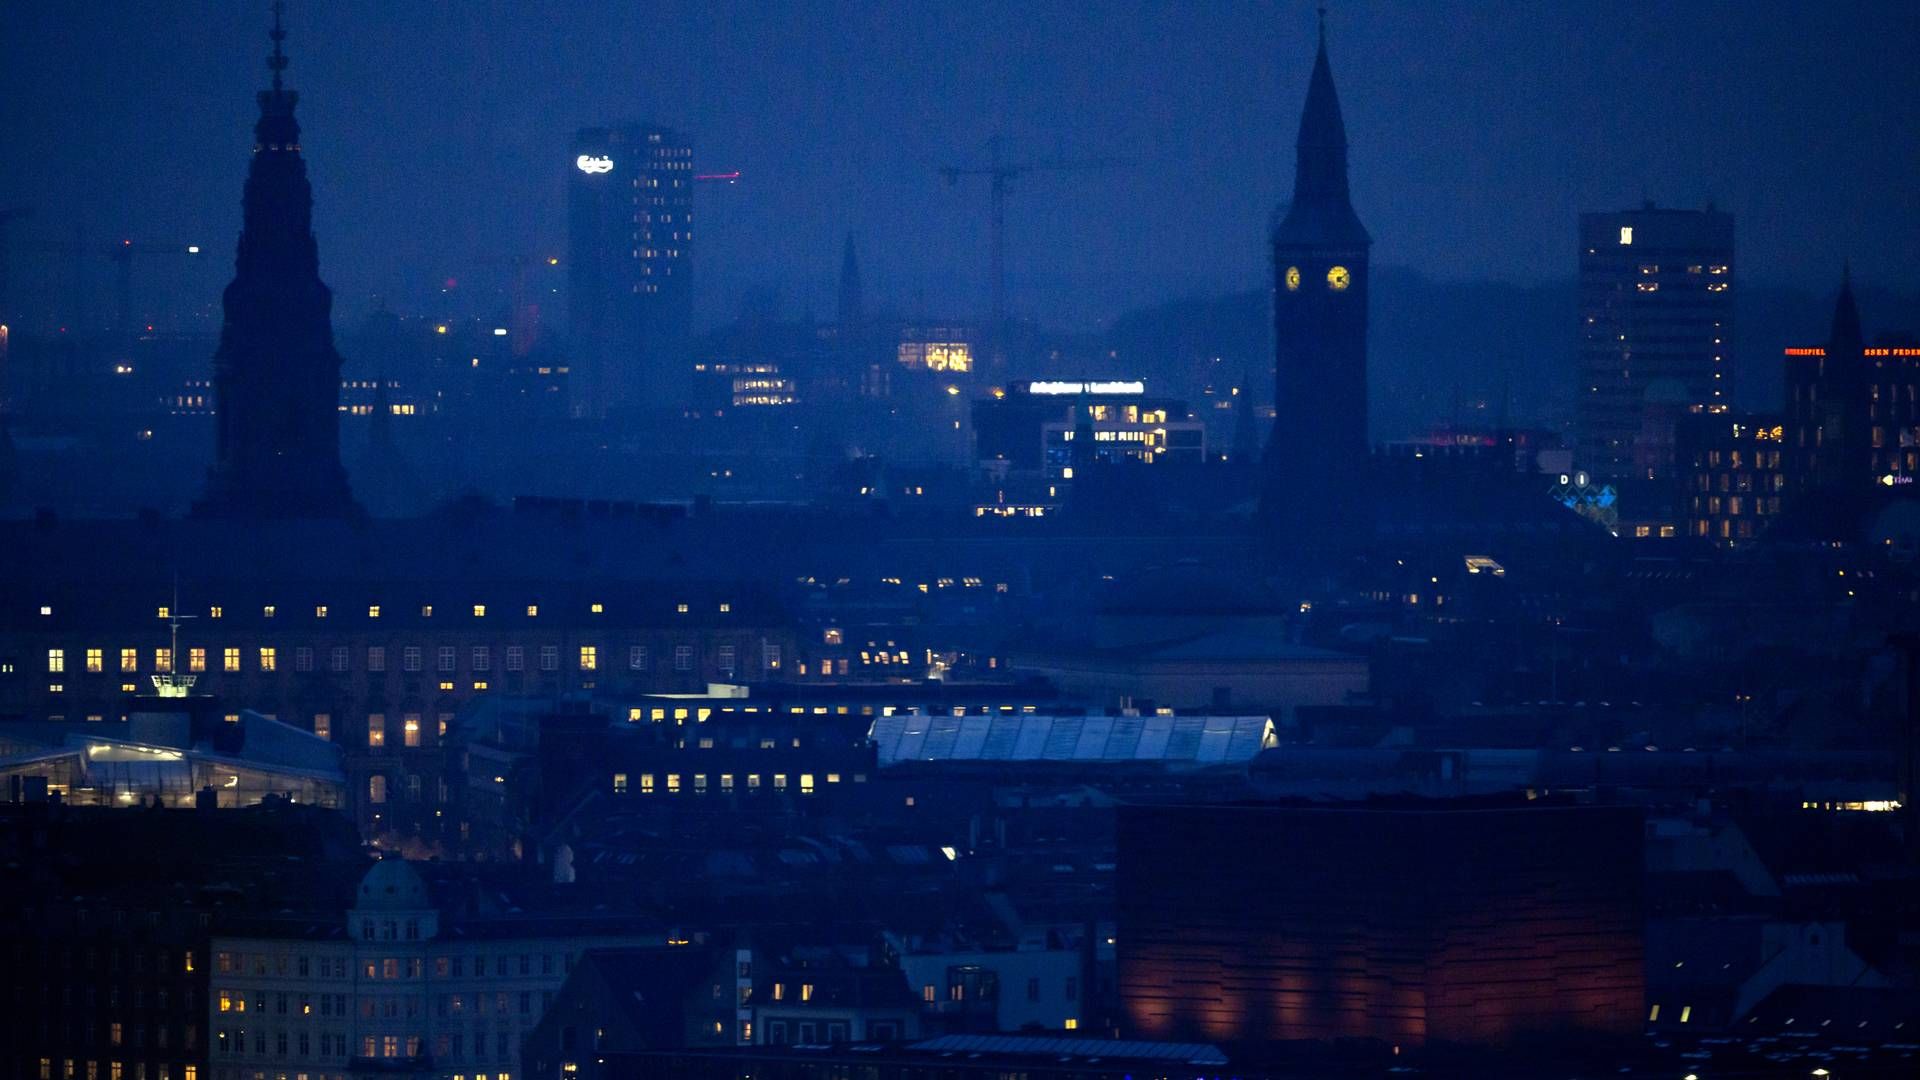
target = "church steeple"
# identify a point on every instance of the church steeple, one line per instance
(276, 374)
(852, 302)
(1846, 332)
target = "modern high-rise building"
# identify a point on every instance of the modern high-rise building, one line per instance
(276, 375)
(1656, 322)
(1316, 458)
(630, 285)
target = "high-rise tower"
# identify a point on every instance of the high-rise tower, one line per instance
(1317, 457)
(630, 283)
(1656, 320)
(276, 374)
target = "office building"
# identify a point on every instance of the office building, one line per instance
(1734, 473)
(1656, 321)
(630, 261)
(1317, 456)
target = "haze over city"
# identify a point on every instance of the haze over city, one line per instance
(842, 541)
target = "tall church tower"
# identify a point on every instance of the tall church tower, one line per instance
(1316, 460)
(276, 374)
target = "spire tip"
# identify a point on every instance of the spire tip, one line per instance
(277, 62)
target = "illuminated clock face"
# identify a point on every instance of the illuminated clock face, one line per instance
(1338, 279)
(1293, 278)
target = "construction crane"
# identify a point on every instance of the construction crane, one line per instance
(1000, 177)
(121, 255)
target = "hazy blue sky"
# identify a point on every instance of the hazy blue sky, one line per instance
(437, 134)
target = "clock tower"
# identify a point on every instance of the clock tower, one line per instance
(1313, 489)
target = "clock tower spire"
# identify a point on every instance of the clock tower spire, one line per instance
(1314, 476)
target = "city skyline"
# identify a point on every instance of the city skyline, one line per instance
(1465, 181)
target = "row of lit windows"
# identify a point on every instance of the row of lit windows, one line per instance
(321, 611)
(412, 658)
(671, 782)
(90, 1070)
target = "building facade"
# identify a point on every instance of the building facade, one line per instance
(1656, 320)
(379, 669)
(1735, 473)
(1472, 923)
(392, 985)
(630, 259)
(1853, 409)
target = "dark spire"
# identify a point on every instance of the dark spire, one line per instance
(277, 62)
(1846, 332)
(276, 374)
(1246, 428)
(852, 301)
(1321, 212)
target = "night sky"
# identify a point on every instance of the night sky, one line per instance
(437, 137)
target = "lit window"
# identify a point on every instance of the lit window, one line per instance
(320, 611)
(479, 611)
(196, 659)
(619, 783)
(268, 658)
(267, 611)
(323, 725)
(1626, 234)
(598, 609)
(725, 608)
(533, 610)
(165, 612)
(376, 729)
(129, 660)
(589, 657)
(681, 608)
(56, 660)
(646, 783)
(96, 661)
(410, 729)
(373, 611)
(230, 659)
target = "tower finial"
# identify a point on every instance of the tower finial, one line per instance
(277, 63)
(1323, 26)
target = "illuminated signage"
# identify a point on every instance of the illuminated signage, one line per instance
(1135, 387)
(592, 164)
